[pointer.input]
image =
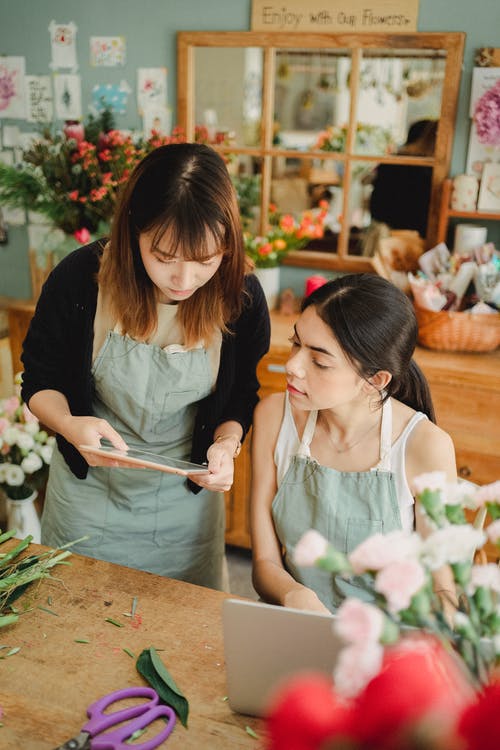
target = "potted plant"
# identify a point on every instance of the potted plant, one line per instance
(286, 232)
(25, 454)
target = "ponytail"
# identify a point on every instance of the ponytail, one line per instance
(413, 390)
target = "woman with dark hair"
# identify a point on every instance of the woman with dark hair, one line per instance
(151, 341)
(402, 192)
(339, 450)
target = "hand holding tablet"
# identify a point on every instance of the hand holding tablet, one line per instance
(139, 459)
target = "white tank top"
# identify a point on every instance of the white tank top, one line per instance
(392, 457)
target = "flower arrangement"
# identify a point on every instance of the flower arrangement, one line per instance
(487, 116)
(370, 139)
(286, 233)
(72, 178)
(25, 449)
(415, 671)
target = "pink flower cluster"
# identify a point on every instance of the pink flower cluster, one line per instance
(487, 116)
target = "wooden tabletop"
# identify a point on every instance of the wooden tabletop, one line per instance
(46, 687)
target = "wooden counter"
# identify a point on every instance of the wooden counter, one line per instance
(46, 687)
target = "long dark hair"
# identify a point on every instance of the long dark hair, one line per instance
(375, 325)
(185, 189)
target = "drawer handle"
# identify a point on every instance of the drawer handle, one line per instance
(276, 368)
(464, 472)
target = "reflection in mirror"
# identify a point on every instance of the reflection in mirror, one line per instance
(311, 93)
(245, 171)
(385, 198)
(300, 184)
(228, 93)
(397, 89)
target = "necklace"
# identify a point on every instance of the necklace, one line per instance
(349, 447)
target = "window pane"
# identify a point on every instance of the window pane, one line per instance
(311, 94)
(399, 93)
(228, 93)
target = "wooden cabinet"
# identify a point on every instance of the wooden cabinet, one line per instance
(446, 213)
(466, 393)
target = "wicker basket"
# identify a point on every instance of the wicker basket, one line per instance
(458, 331)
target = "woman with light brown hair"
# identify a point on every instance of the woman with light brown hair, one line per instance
(150, 341)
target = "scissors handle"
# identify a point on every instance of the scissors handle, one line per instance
(99, 721)
(116, 739)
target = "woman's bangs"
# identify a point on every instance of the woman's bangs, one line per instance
(192, 239)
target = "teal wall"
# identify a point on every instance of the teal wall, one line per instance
(150, 28)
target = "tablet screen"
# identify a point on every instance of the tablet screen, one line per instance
(147, 460)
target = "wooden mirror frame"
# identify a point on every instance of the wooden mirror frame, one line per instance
(450, 43)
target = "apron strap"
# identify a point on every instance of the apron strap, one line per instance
(386, 436)
(307, 435)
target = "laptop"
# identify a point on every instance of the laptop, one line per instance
(264, 644)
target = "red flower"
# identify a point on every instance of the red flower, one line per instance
(305, 713)
(82, 235)
(419, 682)
(478, 724)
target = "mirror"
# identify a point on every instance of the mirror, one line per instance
(363, 121)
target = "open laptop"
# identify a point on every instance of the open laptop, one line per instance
(264, 644)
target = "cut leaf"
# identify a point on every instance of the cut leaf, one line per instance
(151, 667)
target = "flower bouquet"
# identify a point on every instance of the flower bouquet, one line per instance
(370, 139)
(25, 449)
(416, 671)
(285, 233)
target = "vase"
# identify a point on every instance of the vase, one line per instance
(23, 516)
(270, 281)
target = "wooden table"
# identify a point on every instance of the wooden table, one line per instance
(46, 687)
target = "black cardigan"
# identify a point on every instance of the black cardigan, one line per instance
(57, 353)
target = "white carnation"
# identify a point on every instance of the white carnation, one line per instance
(45, 452)
(485, 576)
(3, 473)
(452, 544)
(25, 441)
(11, 435)
(31, 463)
(31, 428)
(14, 475)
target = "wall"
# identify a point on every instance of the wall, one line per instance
(150, 27)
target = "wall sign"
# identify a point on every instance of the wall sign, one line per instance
(335, 15)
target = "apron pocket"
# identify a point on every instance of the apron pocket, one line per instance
(359, 529)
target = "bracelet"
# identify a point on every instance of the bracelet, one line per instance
(232, 437)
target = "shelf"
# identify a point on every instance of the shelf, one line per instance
(485, 215)
(446, 213)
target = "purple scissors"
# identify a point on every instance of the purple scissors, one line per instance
(137, 717)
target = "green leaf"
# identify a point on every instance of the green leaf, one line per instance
(151, 667)
(251, 732)
(114, 622)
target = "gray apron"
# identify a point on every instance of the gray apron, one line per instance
(138, 517)
(345, 507)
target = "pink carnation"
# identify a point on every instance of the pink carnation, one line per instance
(488, 493)
(493, 530)
(356, 666)
(311, 546)
(399, 582)
(433, 480)
(10, 405)
(380, 550)
(359, 622)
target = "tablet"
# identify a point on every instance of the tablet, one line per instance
(145, 460)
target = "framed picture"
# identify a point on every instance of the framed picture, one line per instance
(489, 191)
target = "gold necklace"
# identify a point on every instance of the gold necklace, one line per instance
(351, 445)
